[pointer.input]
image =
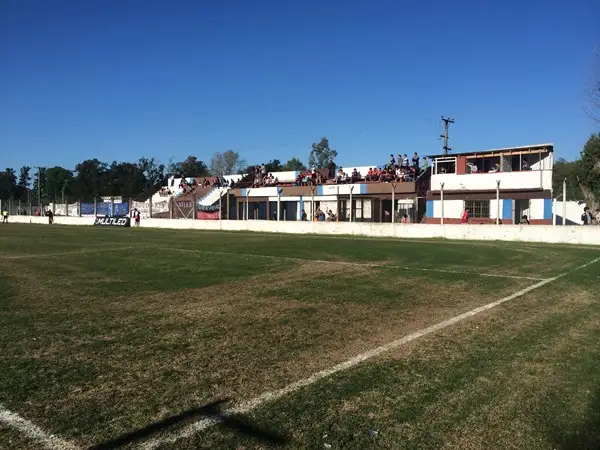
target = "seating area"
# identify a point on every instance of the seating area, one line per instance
(396, 170)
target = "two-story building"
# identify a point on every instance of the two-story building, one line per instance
(504, 184)
(358, 202)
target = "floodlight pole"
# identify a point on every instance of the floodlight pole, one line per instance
(247, 194)
(564, 202)
(394, 202)
(279, 190)
(497, 202)
(442, 202)
(351, 206)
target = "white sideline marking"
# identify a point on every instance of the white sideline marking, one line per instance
(248, 406)
(352, 263)
(32, 431)
(74, 252)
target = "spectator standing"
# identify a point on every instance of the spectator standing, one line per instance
(50, 215)
(405, 161)
(137, 218)
(465, 216)
(586, 217)
(415, 162)
(5, 216)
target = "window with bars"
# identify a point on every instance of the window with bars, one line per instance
(478, 209)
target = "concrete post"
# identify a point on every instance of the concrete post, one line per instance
(497, 202)
(442, 202)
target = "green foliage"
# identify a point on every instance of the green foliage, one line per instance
(8, 184)
(294, 164)
(58, 179)
(24, 177)
(273, 166)
(153, 172)
(564, 169)
(321, 156)
(588, 171)
(90, 178)
(226, 163)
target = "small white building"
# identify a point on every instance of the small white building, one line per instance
(506, 183)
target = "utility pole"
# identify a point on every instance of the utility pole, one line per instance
(39, 186)
(447, 123)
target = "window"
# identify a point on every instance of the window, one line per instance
(445, 165)
(478, 209)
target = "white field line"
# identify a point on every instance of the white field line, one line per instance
(350, 263)
(74, 252)
(32, 431)
(250, 405)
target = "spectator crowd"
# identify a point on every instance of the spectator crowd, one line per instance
(400, 169)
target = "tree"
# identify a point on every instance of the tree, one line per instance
(293, 164)
(123, 180)
(273, 166)
(153, 172)
(593, 94)
(321, 156)
(564, 169)
(8, 184)
(226, 163)
(193, 167)
(588, 172)
(58, 180)
(39, 186)
(89, 182)
(24, 177)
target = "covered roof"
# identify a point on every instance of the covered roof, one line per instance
(497, 151)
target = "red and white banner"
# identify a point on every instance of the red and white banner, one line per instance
(201, 215)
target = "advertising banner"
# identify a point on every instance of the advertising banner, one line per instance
(112, 222)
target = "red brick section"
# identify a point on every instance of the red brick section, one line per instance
(437, 220)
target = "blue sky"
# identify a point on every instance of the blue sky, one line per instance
(121, 79)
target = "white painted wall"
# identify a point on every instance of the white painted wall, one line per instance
(589, 235)
(529, 179)
(453, 209)
(574, 212)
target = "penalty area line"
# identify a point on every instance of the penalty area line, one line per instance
(32, 431)
(353, 263)
(74, 252)
(252, 404)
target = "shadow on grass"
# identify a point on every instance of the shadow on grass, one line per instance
(584, 436)
(211, 410)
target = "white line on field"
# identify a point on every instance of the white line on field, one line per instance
(74, 252)
(250, 405)
(351, 263)
(32, 431)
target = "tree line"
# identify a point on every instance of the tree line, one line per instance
(93, 178)
(582, 175)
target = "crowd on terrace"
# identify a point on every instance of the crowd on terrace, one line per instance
(399, 169)
(188, 186)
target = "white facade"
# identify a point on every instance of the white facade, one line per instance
(588, 235)
(530, 179)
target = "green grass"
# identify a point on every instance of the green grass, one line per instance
(101, 342)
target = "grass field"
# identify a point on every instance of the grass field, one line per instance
(185, 339)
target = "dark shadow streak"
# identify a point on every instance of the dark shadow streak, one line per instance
(236, 423)
(585, 436)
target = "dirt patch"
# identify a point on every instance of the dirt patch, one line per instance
(237, 297)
